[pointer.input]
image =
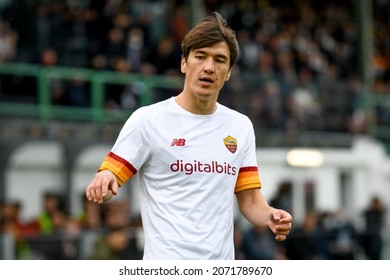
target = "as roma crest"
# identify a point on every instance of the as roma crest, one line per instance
(231, 144)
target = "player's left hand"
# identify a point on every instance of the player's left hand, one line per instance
(280, 223)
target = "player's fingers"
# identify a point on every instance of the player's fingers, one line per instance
(278, 232)
(114, 187)
(280, 237)
(99, 186)
(283, 227)
(282, 231)
(109, 182)
(106, 183)
(90, 192)
(92, 195)
(287, 218)
(95, 188)
(276, 215)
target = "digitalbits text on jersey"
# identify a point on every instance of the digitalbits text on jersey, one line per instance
(200, 167)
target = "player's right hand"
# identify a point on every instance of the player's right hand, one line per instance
(102, 187)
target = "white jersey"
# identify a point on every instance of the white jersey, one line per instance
(189, 167)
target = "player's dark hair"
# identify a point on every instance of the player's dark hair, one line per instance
(209, 31)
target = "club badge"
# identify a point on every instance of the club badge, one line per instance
(231, 144)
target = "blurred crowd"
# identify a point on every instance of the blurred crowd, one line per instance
(113, 231)
(325, 235)
(98, 232)
(298, 67)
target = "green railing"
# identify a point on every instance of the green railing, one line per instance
(44, 108)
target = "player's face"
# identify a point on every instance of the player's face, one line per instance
(206, 70)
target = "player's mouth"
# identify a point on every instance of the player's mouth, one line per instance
(206, 80)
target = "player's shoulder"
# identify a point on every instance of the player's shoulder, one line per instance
(153, 109)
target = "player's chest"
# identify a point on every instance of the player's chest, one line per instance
(201, 140)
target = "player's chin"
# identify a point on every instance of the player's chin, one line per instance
(205, 95)
(207, 91)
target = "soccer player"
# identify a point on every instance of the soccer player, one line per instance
(193, 156)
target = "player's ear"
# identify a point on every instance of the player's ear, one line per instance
(227, 77)
(183, 65)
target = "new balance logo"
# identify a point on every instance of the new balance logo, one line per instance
(178, 142)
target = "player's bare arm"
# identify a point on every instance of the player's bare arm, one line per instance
(256, 210)
(102, 187)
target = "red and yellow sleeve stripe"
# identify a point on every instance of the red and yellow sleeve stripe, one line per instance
(248, 178)
(121, 168)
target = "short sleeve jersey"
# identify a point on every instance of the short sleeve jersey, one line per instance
(189, 167)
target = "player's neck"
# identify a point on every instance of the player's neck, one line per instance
(196, 106)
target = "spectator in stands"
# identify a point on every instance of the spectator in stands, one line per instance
(303, 104)
(116, 244)
(60, 243)
(238, 239)
(283, 196)
(51, 236)
(116, 45)
(48, 57)
(91, 217)
(12, 224)
(118, 240)
(374, 218)
(8, 42)
(325, 233)
(305, 242)
(77, 92)
(344, 242)
(114, 91)
(67, 231)
(135, 52)
(259, 244)
(165, 56)
(45, 222)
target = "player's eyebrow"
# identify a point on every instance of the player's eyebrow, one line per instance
(218, 55)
